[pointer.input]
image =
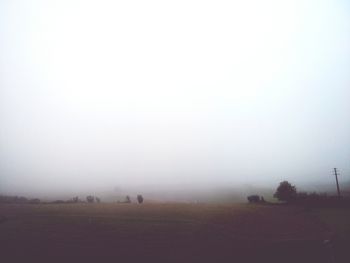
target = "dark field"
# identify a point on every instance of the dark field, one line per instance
(168, 233)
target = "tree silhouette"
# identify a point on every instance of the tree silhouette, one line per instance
(140, 199)
(285, 192)
(90, 199)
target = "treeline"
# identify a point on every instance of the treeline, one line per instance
(5, 199)
(320, 199)
(288, 193)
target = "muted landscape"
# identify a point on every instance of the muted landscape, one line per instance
(182, 131)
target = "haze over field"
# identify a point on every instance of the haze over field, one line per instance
(184, 94)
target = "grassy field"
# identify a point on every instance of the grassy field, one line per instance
(337, 220)
(164, 233)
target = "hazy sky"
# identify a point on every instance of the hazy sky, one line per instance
(97, 94)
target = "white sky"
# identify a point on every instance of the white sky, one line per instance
(105, 93)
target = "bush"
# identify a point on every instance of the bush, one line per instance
(320, 199)
(253, 199)
(140, 199)
(127, 200)
(58, 202)
(18, 200)
(73, 200)
(90, 199)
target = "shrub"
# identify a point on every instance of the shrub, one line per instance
(18, 200)
(90, 199)
(253, 199)
(140, 199)
(58, 202)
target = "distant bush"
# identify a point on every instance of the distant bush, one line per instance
(140, 199)
(127, 200)
(90, 199)
(58, 202)
(73, 200)
(287, 192)
(253, 199)
(98, 200)
(306, 197)
(321, 199)
(18, 200)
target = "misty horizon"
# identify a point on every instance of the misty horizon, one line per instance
(163, 97)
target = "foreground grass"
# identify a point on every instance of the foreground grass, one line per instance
(337, 219)
(239, 221)
(162, 232)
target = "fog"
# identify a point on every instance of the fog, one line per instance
(164, 97)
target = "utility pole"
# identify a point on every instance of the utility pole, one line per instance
(336, 179)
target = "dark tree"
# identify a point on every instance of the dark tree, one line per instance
(127, 199)
(90, 199)
(140, 199)
(285, 192)
(98, 200)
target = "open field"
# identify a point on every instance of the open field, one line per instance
(164, 233)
